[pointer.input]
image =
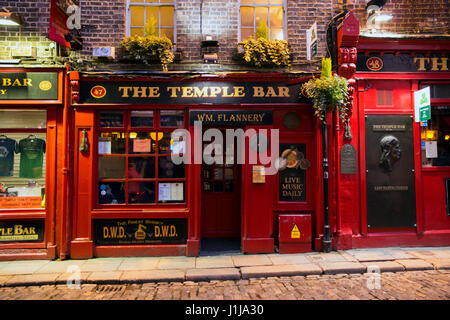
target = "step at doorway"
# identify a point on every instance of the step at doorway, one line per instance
(220, 246)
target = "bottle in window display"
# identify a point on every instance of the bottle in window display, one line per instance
(7, 148)
(31, 151)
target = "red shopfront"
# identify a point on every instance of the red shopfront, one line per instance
(32, 117)
(130, 199)
(400, 193)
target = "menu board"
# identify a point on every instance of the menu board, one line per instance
(171, 192)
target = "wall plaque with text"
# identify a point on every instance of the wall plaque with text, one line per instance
(348, 159)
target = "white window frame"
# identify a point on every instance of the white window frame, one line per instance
(157, 4)
(284, 5)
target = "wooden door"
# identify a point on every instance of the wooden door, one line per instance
(221, 200)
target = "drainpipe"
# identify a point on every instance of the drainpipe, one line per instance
(326, 241)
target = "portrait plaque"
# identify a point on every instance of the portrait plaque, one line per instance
(391, 201)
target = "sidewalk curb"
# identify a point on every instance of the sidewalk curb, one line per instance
(178, 275)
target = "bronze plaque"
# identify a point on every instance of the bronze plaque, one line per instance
(348, 159)
(391, 201)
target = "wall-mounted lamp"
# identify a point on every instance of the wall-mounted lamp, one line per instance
(374, 14)
(210, 48)
(8, 18)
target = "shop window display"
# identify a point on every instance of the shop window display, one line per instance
(435, 136)
(134, 158)
(22, 159)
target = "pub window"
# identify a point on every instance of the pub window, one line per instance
(22, 158)
(134, 157)
(145, 15)
(254, 12)
(435, 138)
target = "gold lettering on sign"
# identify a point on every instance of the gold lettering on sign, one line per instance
(292, 187)
(259, 92)
(421, 63)
(389, 127)
(173, 91)
(8, 82)
(390, 188)
(437, 63)
(439, 66)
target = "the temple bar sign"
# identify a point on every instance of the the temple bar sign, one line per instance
(188, 92)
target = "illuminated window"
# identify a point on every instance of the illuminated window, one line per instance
(255, 12)
(143, 16)
(135, 164)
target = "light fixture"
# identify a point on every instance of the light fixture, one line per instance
(8, 18)
(374, 14)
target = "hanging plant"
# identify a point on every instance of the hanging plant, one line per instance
(261, 52)
(328, 93)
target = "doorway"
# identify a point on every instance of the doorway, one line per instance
(221, 201)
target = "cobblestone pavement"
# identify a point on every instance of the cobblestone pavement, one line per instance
(421, 285)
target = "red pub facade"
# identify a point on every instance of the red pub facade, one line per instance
(109, 186)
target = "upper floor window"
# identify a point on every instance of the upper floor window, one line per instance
(145, 15)
(272, 12)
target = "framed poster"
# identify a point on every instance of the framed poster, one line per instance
(292, 172)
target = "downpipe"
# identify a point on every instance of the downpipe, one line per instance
(326, 241)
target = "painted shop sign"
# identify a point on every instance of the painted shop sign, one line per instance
(29, 86)
(403, 62)
(292, 172)
(15, 231)
(188, 92)
(234, 117)
(140, 231)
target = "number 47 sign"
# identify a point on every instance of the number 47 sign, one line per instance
(422, 105)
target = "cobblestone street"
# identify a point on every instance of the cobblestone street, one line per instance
(421, 285)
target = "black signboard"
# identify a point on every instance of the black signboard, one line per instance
(230, 118)
(29, 86)
(403, 62)
(391, 200)
(22, 231)
(140, 231)
(188, 92)
(292, 174)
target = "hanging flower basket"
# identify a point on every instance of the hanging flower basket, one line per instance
(328, 93)
(148, 49)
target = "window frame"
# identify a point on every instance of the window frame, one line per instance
(127, 128)
(254, 5)
(130, 3)
(45, 163)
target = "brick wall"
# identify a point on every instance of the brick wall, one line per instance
(36, 15)
(103, 23)
(409, 16)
